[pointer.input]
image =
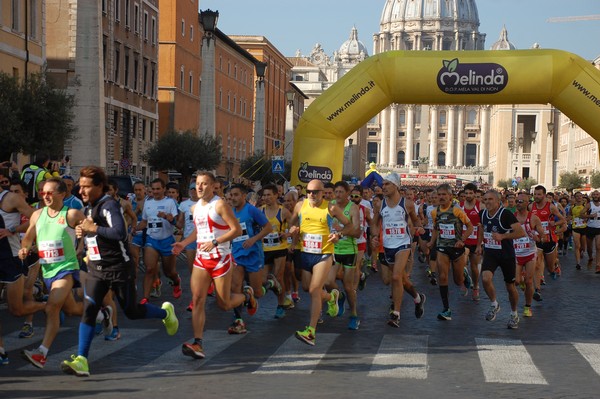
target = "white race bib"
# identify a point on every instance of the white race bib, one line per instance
(51, 251)
(490, 242)
(312, 243)
(395, 229)
(447, 231)
(244, 236)
(93, 251)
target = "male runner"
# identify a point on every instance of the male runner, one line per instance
(109, 267)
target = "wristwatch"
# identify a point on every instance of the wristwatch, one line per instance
(215, 242)
(12, 229)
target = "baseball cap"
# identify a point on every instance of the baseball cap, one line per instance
(192, 186)
(393, 178)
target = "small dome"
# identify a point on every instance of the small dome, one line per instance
(503, 43)
(353, 49)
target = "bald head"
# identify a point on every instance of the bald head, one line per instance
(315, 185)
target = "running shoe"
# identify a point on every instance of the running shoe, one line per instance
(237, 327)
(176, 287)
(275, 286)
(341, 302)
(26, 331)
(279, 312)
(578, 267)
(156, 289)
(420, 307)
(476, 296)
(36, 357)
(115, 335)
(537, 295)
(464, 290)
(527, 311)
(3, 359)
(251, 302)
(362, 283)
(468, 280)
(353, 323)
(307, 336)
(491, 314)
(513, 322)
(190, 306)
(295, 297)
(77, 366)
(171, 322)
(394, 320)
(194, 350)
(288, 303)
(332, 303)
(445, 315)
(144, 301)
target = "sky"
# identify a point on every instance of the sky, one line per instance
(299, 24)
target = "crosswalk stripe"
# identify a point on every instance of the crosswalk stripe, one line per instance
(12, 341)
(295, 357)
(591, 353)
(99, 349)
(507, 361)
(214, 342)
(401, 357)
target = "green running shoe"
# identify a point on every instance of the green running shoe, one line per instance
(171, 323)
(77, 366)
(332, 304)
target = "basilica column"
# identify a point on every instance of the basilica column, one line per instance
(393, 158)
(485, 136)
(385, 127)
(433, 138)
(450, 151)
(410, 132)
(460, 150)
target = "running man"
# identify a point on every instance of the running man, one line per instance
(53, 229)
(577, 215)
(392, 219)
(110, 267)
(499, 227)
(185, 222)
(592, 215)
(471, 206)
(312, 219)
(216, 226)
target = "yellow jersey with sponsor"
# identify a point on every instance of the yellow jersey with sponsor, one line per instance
(315, 227)
(273, 240)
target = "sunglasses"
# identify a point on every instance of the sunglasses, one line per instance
(313, 191)
(4, 181)
(520, 201)
(355, 196)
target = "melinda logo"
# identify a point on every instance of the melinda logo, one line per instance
(455, 78)
(308, 172)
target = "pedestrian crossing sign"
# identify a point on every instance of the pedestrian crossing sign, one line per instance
(277, 166)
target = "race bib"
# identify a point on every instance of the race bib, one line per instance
(545, 226)
(51, 251)
(473, 235)
(578, 222)
(244, 235)
(490, 242)
(395, 229)
(312, 243)
(205, 235)
(155, 225)
(93, 251)
(447, 231)
(271, 240)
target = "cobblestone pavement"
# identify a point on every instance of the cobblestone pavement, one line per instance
(554, 354)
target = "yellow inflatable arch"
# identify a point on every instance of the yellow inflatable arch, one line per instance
(563, 79)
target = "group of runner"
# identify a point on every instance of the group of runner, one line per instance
(241, 247)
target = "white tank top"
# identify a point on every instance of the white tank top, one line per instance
(525, 246)
(594, 222)
(11, 220)
(210, 226)
(395, 225)
(159, 228)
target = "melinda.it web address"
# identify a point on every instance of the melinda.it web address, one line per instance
(355, 97)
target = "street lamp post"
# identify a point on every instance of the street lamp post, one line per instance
(208, 19)
(259, 120)
(289, 126)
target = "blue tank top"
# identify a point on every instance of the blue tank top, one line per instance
(251, 219)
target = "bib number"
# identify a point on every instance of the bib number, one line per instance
(244, 235)
(490, 242)
(312, 243)
(395, 229)
(93, 251)
(51, 251)
(447, 231)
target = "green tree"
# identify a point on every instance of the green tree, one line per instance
(570, 181)
(9, 109)
(184, 152)
(526, 184)
(595, 179)
(259, 167)
(505, 184)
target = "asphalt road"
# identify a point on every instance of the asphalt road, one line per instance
(554, 354)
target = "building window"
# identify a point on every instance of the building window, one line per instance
(401, 134)
(471, 155)
(145, 77)
(472, 117)
(145, 26)
(15, 15)
(191, 33)
(127, 13)
(443, 118)
(104, 50)
(104, 7)
(191, 85)
(235, 149)
(115, 122)
(441, 158)
(228, 147)
(134, 127)
(153, 33)
(234, 104)
(471, 135)
(33, 19)
(151, 133)
(136, 68)
(235, 71)
(126, 71)
(117, 10)
(136, 18)
(143, 129)
(372, 152)
(153, 80)
(441, 135)
(372, 133)
(401, 158)
(117, 61)
(181, 81)
(402, 115)
(228, 102)
(221, 97)
(183, 27)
